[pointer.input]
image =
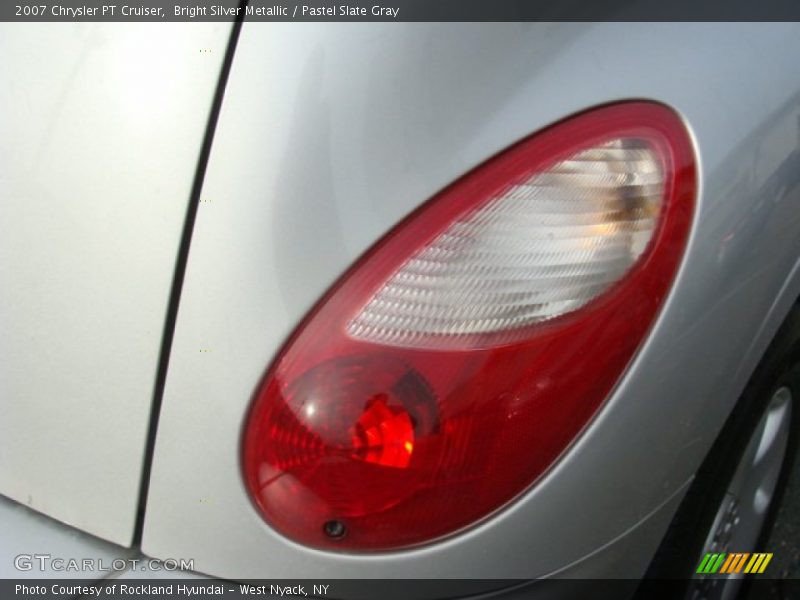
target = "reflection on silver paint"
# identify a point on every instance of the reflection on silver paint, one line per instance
(330, 134)
(100, 128)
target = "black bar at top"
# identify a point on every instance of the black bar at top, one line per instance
(399, 10)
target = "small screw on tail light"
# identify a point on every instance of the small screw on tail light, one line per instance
(463, 353)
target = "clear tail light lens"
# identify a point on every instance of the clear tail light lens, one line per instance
(462, 354)
(538, 249)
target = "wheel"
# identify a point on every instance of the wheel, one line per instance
(731, 505)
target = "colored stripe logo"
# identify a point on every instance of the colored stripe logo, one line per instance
(737, 562)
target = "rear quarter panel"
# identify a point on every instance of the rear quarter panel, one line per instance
(329, 135)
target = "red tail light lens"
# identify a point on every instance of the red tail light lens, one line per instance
(454, 363)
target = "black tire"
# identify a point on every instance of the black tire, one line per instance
(678, 556)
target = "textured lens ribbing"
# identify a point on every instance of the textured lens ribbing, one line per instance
(542, 248)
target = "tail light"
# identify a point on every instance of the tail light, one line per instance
(460, 356)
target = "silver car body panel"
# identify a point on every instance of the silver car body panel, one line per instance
(32, 540)
(330, 134)
(100, 129)
(36, 546)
